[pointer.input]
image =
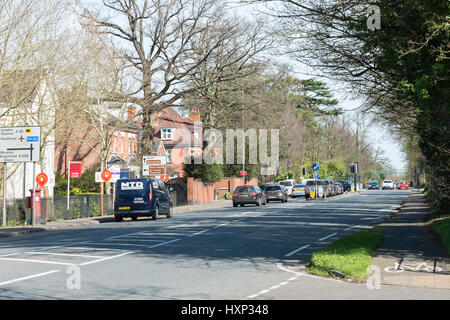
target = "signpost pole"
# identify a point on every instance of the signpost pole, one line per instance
(4, 194)
(33, 211)
(68, 185)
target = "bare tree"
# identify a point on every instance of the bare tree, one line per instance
(162, 44)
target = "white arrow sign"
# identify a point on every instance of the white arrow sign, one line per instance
(20, 144)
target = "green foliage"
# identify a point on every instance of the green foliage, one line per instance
(208, 173)
(83, 185)
(95, 210)
(442, 228)
(350, 255)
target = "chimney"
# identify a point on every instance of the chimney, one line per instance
(131, 113)
(195, 115)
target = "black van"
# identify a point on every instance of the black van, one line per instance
(141, 197)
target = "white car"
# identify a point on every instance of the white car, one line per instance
(298, 190)
(387, 184)
(289, 184)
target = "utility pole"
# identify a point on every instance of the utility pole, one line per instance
(4, 194)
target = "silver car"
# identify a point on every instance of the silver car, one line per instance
(298, 190)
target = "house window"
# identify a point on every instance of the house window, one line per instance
(123, 144)
(130, 149)
(169, 156)
(167, 134)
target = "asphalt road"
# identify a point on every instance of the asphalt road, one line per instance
(231, 253)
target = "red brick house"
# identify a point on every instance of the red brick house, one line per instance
(181, 136)
(79, 140)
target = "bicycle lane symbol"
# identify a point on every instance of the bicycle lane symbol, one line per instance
(420, 267)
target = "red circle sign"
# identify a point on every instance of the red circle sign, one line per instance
(41, 179)
(106, 175)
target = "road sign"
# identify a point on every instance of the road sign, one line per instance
(51, 180)
(106, 175)
(115, 175)
(154, 160)
(155, 170)
(75, 169)
(154, 165)
(124, 173)
(316, 166)
(316, 176)
(20, 144)
(41, 179)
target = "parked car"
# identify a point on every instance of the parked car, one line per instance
(373, 185)
(252, 194)
(289, 184)
(329, 188)
(403, 185)
(278, 193)
(141, 197)
(388, 184)
(298, 190)
(339, 188)
(318, 186)
(264, 186)
(346, 184)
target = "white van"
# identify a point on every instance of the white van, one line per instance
(289, 184)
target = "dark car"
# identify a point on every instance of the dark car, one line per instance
(373, 185)
(347, 185)
(264, 186)
(339, 188)
(248, 194)
(278, 193)
(141, 197)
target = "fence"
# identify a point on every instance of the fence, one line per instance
(199, 192)
(55, 209)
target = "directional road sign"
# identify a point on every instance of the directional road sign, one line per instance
(316, 166)
(20, 144)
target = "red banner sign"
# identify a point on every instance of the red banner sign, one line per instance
(75, 169)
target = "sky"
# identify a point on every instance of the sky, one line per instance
(380, 136)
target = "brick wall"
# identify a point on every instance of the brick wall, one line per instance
(199, 192)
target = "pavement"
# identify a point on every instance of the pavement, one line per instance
(411, 256)
(65, 224)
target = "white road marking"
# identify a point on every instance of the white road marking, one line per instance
(220, 225)
(197, 233)
(107, 258)
(329, 236)
(296, 250)
(64, 254)
(352, 227)
(123, 244)
(37, 261)
(161, 244)
(8, 255)
(28, 277)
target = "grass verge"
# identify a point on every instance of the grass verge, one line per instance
(441, 227)
(350, 255)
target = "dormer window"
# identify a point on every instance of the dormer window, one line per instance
(167, 134)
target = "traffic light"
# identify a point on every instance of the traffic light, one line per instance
(304, 171)
(352, 168)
